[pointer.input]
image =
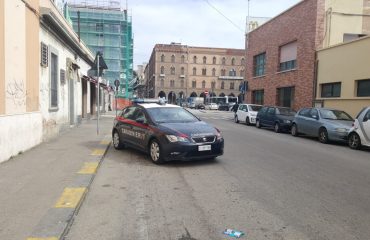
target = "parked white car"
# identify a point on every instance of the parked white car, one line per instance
(247, 113)
(212, 106)
(359, 134)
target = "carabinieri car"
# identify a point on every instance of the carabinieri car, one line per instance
(166, 132)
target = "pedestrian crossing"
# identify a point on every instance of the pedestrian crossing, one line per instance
(213, 115)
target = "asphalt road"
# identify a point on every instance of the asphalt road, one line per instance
(269, 185)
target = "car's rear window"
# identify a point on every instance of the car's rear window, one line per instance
(171, 115)
(285, 111)
(255, 108)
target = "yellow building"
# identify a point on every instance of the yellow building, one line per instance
(343, 76)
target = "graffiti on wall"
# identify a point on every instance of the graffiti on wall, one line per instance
(16, 92)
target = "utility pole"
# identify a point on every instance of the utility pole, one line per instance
(98, 98)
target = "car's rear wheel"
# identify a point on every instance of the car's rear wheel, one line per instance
(236, 118)
(117, 144)
(323, 135)
(247, 121)
(294, 130)
(258, 124)
(354, 141)
(155, 152)
(277, 127)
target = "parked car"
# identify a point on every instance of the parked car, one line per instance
(223, 107)
(247, 113)
(200, 106)
(212, 106)
(325, 123)
(280, 118)
(359, 134)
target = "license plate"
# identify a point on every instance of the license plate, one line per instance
(204, 148)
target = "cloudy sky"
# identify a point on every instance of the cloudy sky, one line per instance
(204, 23)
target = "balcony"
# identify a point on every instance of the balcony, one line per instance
(162, 75)
(230, 77)
(182, 76)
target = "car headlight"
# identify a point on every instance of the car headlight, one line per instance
(342, 130)
(174, 138)
(218, 134)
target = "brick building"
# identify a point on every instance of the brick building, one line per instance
(178, 71)
(281, 54)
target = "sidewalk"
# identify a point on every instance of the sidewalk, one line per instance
(42, 188)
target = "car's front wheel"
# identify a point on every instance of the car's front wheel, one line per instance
(236, 118)
(155, 152)
(323, 135)
(117, 144)
(258, 124)
(354, 141)
(277, 127)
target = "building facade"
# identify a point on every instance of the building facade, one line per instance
(281, 54)
(178, 71)
(344, 82)
(105, 27)
(44, 86)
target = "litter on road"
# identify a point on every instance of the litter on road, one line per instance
(233, 233)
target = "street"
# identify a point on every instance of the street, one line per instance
(268, 185)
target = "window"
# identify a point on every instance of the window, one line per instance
(232, 72)
(162, 83)
(182, 83)
(54, 80)
(204, 59)
(213, 72)
(173, 58)
(242, 73)
(259, 62)
(195, 59)
(44, 54)
(222, 85)
(223, 61)
(305, 112)
(257, 97)
(214, 60)
(182, 70)
(363, 88)
(162, 58)
(194, 84)
(347, 37)
(182, 59)
(285, 97)
(194, 71)
(213, 85)
(99, 27)
(223, 72)
(172, 83)
(129, 113)
(173, 71)
(242, 61)
(162, 70)
(330, 90)
(231, 85)
(204, 71)
(203, 84)
(288, 56)
(233, 61)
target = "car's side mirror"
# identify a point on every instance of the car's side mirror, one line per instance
(315, 117)
(140, 120)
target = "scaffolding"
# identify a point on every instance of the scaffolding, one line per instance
(106, 27)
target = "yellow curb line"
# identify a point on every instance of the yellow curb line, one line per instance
(70, 198)
(98, 152)
(47, 238)
(89, 168)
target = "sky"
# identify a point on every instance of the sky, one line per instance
(201, 23)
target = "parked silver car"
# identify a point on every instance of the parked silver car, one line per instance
(324, 123)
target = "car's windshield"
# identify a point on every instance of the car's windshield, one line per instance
(285, 111)
(170, 115)
(335, 115)
(255, 108)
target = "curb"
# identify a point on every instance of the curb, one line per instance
(56, 223)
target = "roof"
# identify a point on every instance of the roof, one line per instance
(156, 105)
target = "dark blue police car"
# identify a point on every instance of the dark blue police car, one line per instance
(166, 132)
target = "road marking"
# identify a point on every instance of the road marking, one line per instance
(98, 152)
(105, 142)
(47, 238)
(70, 198)
(89, 168)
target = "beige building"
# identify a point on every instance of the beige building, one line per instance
(178, 71)
(44, 87)
(343, 77)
